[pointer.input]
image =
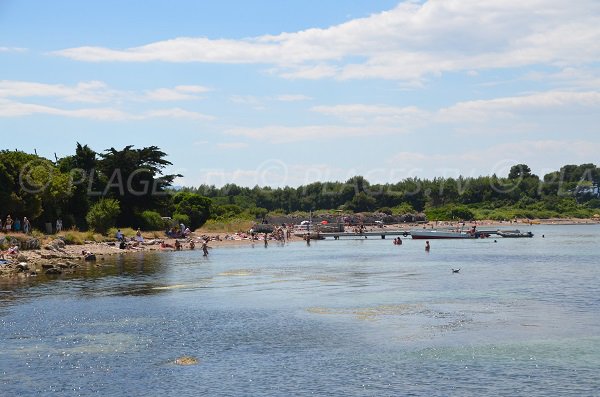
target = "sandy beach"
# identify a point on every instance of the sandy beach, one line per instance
(56, 257)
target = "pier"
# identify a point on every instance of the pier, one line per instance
(316, 235)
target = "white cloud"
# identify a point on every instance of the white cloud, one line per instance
(408, 42)
(541, 155)
(232, 145)
(96, 92)
(271, 172)
(292, 97)
(88, 91)
(18, 109)
(408, 116)
(12, 49)
(249, 100)
(177, 113)
(179, 93)
(287, 134)
(510, 107)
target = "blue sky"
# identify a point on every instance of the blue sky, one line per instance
(287, 93)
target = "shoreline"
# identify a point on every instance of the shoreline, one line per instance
(56, 258)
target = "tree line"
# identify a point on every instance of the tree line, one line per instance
(127, 188)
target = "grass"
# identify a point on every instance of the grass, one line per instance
(226, 226)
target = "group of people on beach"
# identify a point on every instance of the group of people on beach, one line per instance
(15, 226)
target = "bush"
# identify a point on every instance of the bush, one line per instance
(450, 212)
(196, 207)
(593, 203)
(102, 215)
(181, 218)
(152, 220)
(404, 208)
(73, 238)
(231, 225)
(385, 210)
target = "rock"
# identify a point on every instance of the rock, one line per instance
(90, 257)
(186, 360)
(58, 243)
(49, 247)
(47, 266)
(31, 244)
(22, 267)
(22, 258)
(53, 271)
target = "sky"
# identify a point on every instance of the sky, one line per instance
(280, 93)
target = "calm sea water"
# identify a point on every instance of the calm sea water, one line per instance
(348, 317)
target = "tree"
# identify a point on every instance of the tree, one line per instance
(103, 214)
(519, 171)
(32, 186)
(362, 202)
(134, 177)
(196, 207)
(81, 168)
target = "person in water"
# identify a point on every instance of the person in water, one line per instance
(427, 246)
(205, 247)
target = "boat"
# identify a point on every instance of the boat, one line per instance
(514, 234)
(439, 234)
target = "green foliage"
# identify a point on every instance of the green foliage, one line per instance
(258, 212)
(151, 220)
(103, 215)
(196, 207)
(134, 177)
(593, 203)
(450, 212)
(519, 171)
(32, 186)
(403, 209)
(181, 218)
(362, 203)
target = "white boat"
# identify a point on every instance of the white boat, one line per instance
(438, 234)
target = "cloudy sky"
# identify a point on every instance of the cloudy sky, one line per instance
(275, 92)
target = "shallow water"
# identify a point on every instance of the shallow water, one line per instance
(348, 317)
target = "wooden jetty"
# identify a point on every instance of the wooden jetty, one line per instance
(337, 235)
(383, 233)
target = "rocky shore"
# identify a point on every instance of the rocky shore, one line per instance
(53, 256)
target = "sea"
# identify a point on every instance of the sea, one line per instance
(355, 317)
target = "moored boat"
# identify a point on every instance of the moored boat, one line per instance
(439, 234)
(514, 234)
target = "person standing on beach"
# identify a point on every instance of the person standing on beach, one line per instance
(26, 225)
(58, 225)
(8, 224)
